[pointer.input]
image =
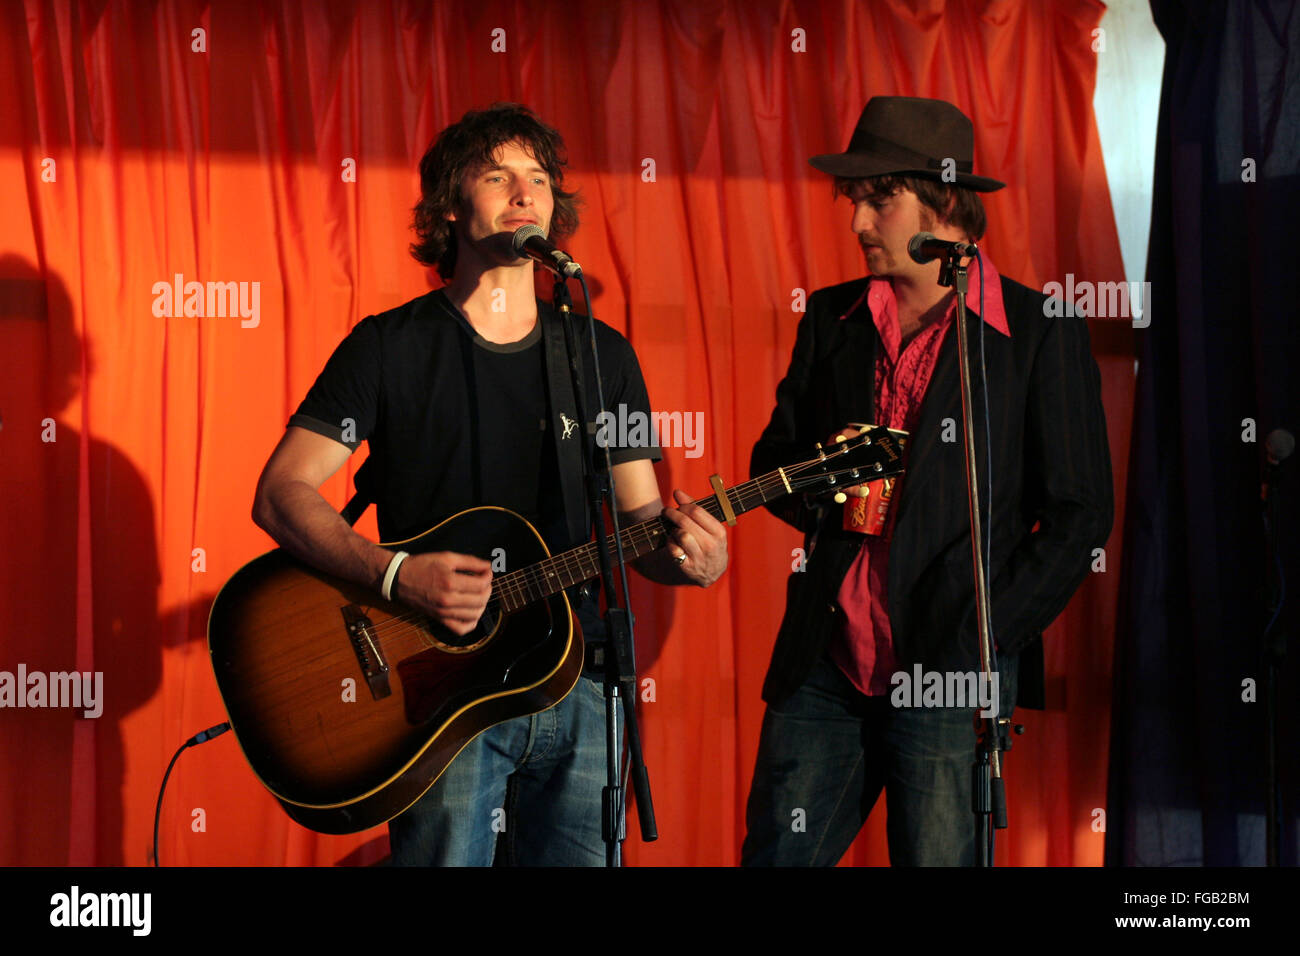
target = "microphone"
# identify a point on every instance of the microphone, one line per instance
(1278, 447)
(530, 242)
(925, 247)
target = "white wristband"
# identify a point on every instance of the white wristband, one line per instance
(391, 574)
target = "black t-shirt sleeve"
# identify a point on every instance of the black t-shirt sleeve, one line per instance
(625, 387)
(343, 404)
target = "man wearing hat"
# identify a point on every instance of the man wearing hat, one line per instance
(887, 597)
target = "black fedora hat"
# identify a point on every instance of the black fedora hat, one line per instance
(909, 136)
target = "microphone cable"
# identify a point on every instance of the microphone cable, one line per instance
(199, 738)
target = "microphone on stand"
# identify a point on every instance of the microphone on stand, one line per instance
(530, 242)
(924, 247)
(1278, 447)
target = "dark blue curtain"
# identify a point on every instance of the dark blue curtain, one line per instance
(1219, 370)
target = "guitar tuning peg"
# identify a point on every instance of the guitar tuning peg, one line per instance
(840, 497)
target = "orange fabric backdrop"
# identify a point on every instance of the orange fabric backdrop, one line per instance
(128, 158)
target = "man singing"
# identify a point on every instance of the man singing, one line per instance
(878, 598)
(451, 392)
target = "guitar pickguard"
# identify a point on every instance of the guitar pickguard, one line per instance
(515, 654)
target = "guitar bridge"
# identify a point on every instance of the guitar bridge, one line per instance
(369, 656)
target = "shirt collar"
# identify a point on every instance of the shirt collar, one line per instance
(879, 296)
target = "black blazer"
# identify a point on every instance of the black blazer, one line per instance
(1051, 468)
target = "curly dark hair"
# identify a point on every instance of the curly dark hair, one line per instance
(950, 203)
(464, 147)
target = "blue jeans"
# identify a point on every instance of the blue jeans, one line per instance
(826, 752)
(535, 782)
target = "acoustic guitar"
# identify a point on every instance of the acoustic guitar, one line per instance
(349, 707)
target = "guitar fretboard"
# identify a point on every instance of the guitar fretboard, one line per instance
(876, 454)
(552, 575)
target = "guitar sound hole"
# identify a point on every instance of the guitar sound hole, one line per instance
(488, 622)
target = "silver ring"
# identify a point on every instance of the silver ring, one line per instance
(680, 559)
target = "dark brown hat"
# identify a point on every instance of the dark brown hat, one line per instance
(909, 136)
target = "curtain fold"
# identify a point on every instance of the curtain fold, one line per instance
(1187, 782)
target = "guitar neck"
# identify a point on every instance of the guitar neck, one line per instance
(545, 578)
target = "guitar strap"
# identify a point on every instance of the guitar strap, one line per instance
(565, 426)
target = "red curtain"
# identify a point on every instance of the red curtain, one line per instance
(277, 144)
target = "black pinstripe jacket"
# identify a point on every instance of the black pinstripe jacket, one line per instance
(1051, 469)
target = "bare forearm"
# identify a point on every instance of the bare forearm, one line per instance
(304, 524)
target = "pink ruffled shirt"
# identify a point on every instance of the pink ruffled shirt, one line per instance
(863, 646)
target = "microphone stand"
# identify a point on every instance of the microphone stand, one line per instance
(620, 648)
(988, 791)
(1274, 652)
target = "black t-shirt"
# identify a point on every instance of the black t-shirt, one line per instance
(454, 421)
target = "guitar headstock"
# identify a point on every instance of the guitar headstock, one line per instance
(875, 453)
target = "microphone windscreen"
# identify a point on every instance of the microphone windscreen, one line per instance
(523, 234)
(914, 247)
(1280, 444)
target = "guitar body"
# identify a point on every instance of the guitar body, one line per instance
(349, 707)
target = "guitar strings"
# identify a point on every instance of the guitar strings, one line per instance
(528, 584)
(519, 583)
